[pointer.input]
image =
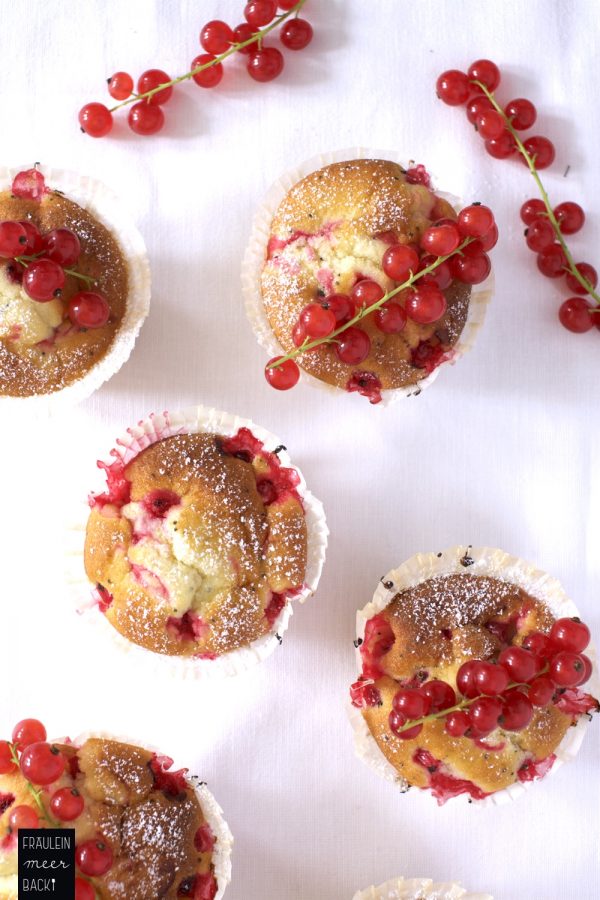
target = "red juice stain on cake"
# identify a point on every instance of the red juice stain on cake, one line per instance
(503, 631)
(536, 768)
(418, 175)
(442, 785)
(6, 800)
(189, 627)
(73, 765)
(149, 581)
(198, 887)
(204, 839)
(491, 748)
(171, 783)
(9, 843)
(118, 491)
(275, 606)
(379, 638)
(363, 693)
(575, 703)
(367, 384)
(158, 503)
(276, 244)
(275, 485)
(428, 356)
(103, 597)
(29, 185)
(388, 237)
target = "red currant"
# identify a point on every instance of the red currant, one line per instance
(520, 664)
(483, 244)
(42, 763)
(418, 175)
(501, 147)
(390, 318)
(440, 694)
(13, 239)
(569, 216)
(540, 235)
(6, 760)
(575, 315)
(484, 714)
(341, 306)
(243, 33)
(260, 12)
(590, 275)
(62, 246)
(43, 280)
(440, 240)
(471, 269)
(541, 690)
(95, 119)
(286, 5)
(26, 732)
(353, 346)
(216, 37)
(35, 241)
(411, 703)
(539, 644)
(399, 261)
(457, 723)
(145, 118)
(441, 276)
(94, 858)
(209, 77)
(120, 86)
(296, 34)
(151, 79)
(476, 106)
(568, 634)
(453, 87)
(485, 71)
(298, 334)
(531, 209)
(84, 890)
(475, 221)
(426, 304)
(566, 668)
(490, 125)
(284, 376)
(366, 292)
(465, 680)
(489, 678)
(29, 184)
(89, 310)
(23, 817)
(552, 261)
(397, 722)
(522, 113)
(517, 711)
(204, 839)
(67, 804)
(541, 149)
(318, 322)
(266, 64)
(587, 673)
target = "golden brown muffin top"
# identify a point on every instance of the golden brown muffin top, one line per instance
(427, 632)
(64, 353)
(198, 544)
(332, 229)
(150, 818)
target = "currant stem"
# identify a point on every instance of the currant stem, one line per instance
(35, 793)
(255, 39)
(530, 160)
(87, 278)
(367, 310)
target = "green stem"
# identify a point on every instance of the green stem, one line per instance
(530, 160)
(367, 310)
(256, 38)
(87, 278)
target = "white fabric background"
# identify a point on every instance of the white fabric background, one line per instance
(503, 450)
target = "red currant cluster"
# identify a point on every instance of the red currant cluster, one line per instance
(218, 41)
(546, 227)
(448, 250)
(493, 695)
(41, 263)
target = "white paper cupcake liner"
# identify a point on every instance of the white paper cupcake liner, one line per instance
(254, 260)
(211, 809)
(198, 419)
(108, 209)
(496, 564)
(418, 889)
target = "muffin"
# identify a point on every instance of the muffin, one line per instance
(328, 245)
(142, 831)
(417, 889)
(202, 538)
(74, 285)
(472, 668)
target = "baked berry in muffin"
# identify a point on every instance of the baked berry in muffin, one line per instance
(418, 889)
(469, 682)
(198, 543)
(65, 286)
(142, 832)
(342, 238)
